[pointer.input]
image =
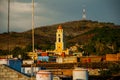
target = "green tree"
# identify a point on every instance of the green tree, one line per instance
(5, 52)
(28, 48)
(16, 51)
(89, 48)
(19, 51)
(105, 73)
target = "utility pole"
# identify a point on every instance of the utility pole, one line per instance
(33, 26)
(33, 50)
(8, 26)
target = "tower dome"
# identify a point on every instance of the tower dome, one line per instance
(59, 27)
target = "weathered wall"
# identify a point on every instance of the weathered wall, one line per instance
(7, 73)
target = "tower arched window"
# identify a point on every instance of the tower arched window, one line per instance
(59, 35)
(59, 40)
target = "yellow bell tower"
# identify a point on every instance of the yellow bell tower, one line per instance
(59, 44)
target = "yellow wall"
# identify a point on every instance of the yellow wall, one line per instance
(33, 55)
(59, 44)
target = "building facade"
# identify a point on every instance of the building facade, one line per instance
(59, 44)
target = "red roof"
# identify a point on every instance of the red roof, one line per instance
(59, 27)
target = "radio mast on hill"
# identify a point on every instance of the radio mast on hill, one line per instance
(84, 14)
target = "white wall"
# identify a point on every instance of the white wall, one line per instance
(3, 61)
(28, 70)
(28, 61)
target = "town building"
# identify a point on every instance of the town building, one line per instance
(33, 55)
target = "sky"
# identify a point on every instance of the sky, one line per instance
(49, 12)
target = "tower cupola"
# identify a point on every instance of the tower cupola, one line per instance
(59, 27)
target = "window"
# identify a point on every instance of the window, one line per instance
(59, 40)
(59, 35)
(28, 71)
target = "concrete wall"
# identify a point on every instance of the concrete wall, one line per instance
(7, 73)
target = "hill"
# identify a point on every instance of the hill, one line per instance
(80, 32)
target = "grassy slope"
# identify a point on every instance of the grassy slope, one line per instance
(44, 36)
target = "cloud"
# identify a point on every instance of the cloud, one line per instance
(21, 15)
(44, 15)
(17, 7)
(3, 15)
(48, 12)
(3, 6)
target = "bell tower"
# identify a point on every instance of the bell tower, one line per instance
(59, 44)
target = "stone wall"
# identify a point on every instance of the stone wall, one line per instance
(7, 73)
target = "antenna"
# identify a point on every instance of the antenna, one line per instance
(33, 26)
(84, 14)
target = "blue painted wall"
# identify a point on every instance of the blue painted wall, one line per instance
(43, 58)
(15, 64)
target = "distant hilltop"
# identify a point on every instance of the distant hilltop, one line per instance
(74, 32)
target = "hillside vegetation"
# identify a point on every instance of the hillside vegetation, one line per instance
(97, 37)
